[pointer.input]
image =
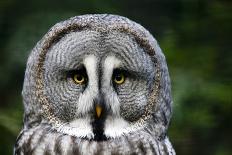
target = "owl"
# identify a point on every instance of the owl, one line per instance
(96, 84)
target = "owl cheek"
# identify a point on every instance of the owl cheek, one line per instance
(134, 112)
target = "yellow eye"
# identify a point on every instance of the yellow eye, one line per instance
(79, 79)
(119, 78)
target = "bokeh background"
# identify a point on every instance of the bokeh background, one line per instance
(195, 36)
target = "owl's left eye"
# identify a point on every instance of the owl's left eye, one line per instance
(118, 77)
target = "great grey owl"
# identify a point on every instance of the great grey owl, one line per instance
(96, 84)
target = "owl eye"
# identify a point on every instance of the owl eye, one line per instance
(118, 77)
(79, 78)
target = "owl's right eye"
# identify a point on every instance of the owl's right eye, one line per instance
(78, 77)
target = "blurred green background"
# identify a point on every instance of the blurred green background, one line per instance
(195, 36)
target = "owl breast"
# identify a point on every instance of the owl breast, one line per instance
(43, 140)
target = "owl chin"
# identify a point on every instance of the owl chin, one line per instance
(98, 124)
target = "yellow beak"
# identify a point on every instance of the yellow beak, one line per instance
(98, 109)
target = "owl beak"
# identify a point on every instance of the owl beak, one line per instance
(98, 110)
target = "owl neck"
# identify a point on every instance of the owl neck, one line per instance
(98, 129)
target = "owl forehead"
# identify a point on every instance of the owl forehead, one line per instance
(73, 48)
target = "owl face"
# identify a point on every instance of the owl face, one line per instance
(97, 83)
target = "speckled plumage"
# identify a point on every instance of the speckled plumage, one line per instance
(59, 116)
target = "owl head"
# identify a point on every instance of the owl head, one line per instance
(97, 77)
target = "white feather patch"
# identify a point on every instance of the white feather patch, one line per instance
(116, 127)
(79, 128)
(85, 102)
(111, 62)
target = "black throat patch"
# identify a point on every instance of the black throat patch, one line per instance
(98, 124)
(98, 130)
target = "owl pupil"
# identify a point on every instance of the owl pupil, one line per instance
(79, 77)
(118, 77)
